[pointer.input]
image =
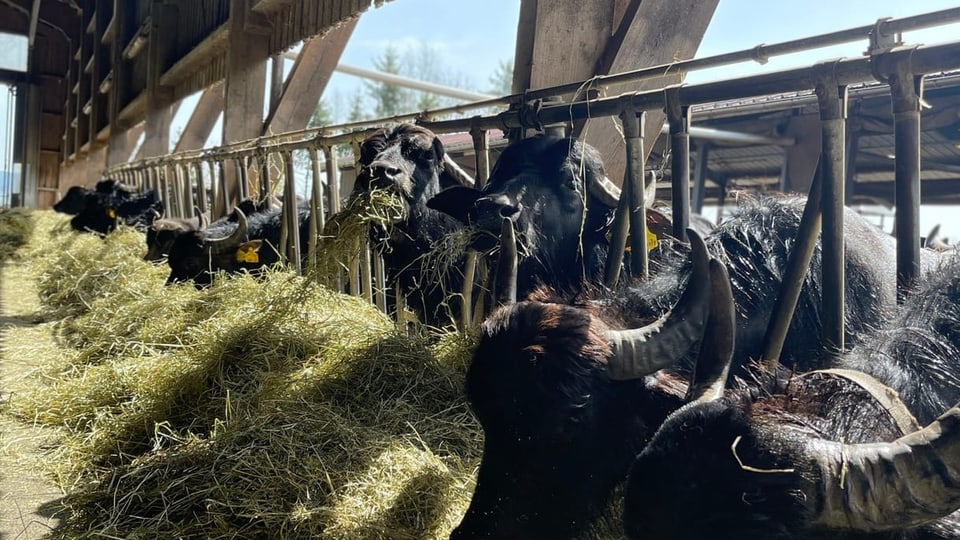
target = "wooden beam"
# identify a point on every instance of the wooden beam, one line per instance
(201, 122)
(212, 46)
(308, 79)
(613, 37)
(118, 150)
(159, 98)
(247, 56)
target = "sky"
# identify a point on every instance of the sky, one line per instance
(471, 37)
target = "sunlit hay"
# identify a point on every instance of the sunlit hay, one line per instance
(80, 268)
(312, 409)
(427, 505)
(347, 230)
(16, 228)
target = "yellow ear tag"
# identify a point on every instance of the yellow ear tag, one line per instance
(111, 214)
(651, 240)
(247, 254)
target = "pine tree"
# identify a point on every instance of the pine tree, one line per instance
(389, 99)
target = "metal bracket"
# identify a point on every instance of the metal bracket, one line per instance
(881, 42)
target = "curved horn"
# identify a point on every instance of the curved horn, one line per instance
(640, 351)
(450, 167)
(604, 189)
(505, 281)
(716, 353)
(234, 239)
(884, 486)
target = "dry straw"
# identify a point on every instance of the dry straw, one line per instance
(257, 408)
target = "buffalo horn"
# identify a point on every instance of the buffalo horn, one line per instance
(641, 351)
(604, 189)
(234, 239)
(450, 167)
(716, 353)
(609, 194)
(888, 486)
(505, 281)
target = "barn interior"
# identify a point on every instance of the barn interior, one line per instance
(104, 79)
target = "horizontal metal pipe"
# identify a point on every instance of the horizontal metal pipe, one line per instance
(924, 59)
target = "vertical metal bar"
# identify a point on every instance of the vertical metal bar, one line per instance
(317, 218)
(333, 179)
(201, 187)
(679, 118)
(186, 184)
(797, 267)
(224, 187)
(242, 184)
(292, 212)
(475, 267)
(833, 113)
(380, 281)
(217, 208)
(620, 230)
(633, 121)
(266, 184)
(906, 91)
(366, 279)
(700, 176)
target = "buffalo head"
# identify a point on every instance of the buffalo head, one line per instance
(408, 161)
(555, 192)
(566, 401)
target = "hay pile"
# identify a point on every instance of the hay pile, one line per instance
(16, 227)
(269, 408)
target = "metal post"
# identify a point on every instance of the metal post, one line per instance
(620, 230)
(833, 113)
(633, 121)
(475, 267)
(241, 164)
(333, 179)
(187, 186)
(317, 218)
(224, 187)
(700, 177)
(679, 118)
(797, 267)
(906, 92)
(201, 187)
(266, 185)
(291, 214)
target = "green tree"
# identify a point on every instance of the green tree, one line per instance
(501, 82)
(321, 115)
(389, 99)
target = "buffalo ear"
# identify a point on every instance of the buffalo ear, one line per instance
(455, 201)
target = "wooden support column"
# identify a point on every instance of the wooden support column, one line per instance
(610, 37)
(204, 117)
(159, 98)
(247, 54)
(308, 79)
(119, 145)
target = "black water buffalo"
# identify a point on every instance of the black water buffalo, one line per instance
(829, 454)
(409, 161)
(164, 231)
(561, 202)
(249, 244)
(561, 425)
(110, 203)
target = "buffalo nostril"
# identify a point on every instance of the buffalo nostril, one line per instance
(509, 212)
